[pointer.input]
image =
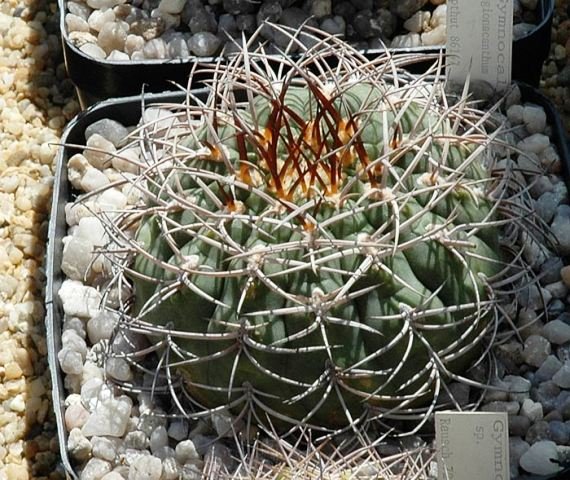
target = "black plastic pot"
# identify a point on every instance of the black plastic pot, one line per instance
(128, 112)
(98, 80)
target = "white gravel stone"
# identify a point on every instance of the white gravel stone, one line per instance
(98, 151)
(119, 369)
(158, 439)
(134, 43)
(113, 36)
(438, 16)
(532, 410)
(110, 417)
(204, 44)
(437, 36)
(113, 476)
(95, 469)
(515, 114)
(72, 341)
(118, 56)
(418, 22)
(155, 49)
(98, 19)
(93, 50)
(104, 448)
(170, 469)
(75, 416)
(74, 23)
(410, 40)
(101, 326)
(537, 459)
(112, 200)
(93, 179)
(172, 6)
(145, 467)
(77, 257)
(127, 161)
(78, 445)
(534, 118)
(79, 300)
(90, 392)
(535, 143)
(186, 452)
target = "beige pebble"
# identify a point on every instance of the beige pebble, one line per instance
(12, 371)
(17, 472)
(18, 403)
(75, 416)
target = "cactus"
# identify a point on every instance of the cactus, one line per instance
(320, 240)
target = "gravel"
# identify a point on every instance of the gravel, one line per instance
(35, 103)
(117, 30)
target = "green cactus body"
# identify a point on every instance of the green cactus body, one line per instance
(324, 235)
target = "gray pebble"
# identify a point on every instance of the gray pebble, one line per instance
(178, 47)
(109, 129)
(559, 432)
(537, 432)
(548, 368)
(95, 469)
(532, 410)
(536, 350)
(547, 394)
(550, 270)
(136, 440)
(562, 376)
(557, 332)
(518, 425)
(517, 448)
(519, 387)
(334, 25)
(556, 307)
(246, 23)
(204, 44)
(537, 459)
(203, 21)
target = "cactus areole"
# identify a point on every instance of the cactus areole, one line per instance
(319, 244)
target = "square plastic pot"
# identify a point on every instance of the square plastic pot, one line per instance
(128, 112)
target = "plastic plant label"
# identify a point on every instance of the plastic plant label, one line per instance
(479, 41)
(472, 445)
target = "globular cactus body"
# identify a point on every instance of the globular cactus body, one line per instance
(321, 248)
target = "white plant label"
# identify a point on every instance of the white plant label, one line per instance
(472, 445)
(479, 41)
